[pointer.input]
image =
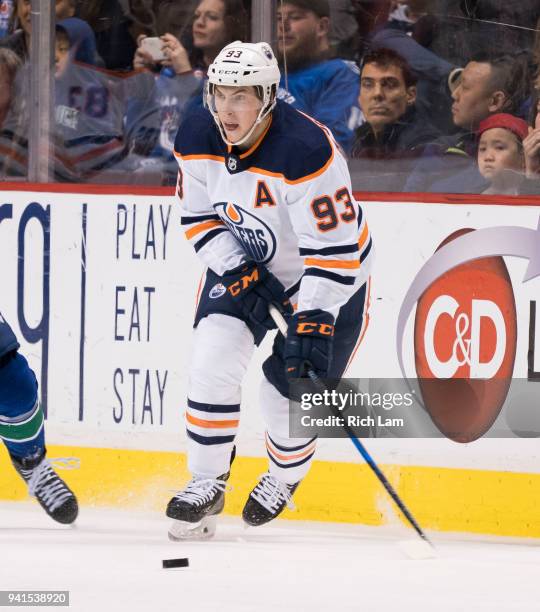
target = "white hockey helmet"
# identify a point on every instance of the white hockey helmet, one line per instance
(242, 64)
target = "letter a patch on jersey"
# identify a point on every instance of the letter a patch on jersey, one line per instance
(263, 196)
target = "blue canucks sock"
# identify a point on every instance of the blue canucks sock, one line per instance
(21, 417)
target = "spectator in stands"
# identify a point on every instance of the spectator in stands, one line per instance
(371, 15)
(392, 134)
(431, 69)
(157, 105)
(455, 30)
(324, 88)
(89, 107)
(407, 12)
(501, 159)
(18, 39)
(488, 85)
(20, 26)
(12, 116)
(6, 8)
(173, 16)
(344, 32)
(215, 23)
(500, 25)
(112, 29)
(531, 144)
(12, 119)
(9, 66)
(87, 129)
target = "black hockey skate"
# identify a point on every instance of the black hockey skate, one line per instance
(53, 494)
(195, 508)
(268, 500)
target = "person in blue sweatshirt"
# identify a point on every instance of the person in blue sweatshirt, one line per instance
(312, 81)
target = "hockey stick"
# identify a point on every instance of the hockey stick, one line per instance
(427, 549)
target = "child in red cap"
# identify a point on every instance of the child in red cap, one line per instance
(500, 153)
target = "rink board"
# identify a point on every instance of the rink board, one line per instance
(442, 499)
(101, 290)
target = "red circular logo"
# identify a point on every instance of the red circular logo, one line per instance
(465, 338)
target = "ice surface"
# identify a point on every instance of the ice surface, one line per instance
(111, 561)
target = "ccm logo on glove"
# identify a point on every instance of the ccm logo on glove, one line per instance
(254, 288)
(244, 282)
(324, 329)
(309, 344)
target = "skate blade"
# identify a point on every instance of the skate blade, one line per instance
(205, 529)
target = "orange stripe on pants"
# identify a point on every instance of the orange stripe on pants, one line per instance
(288, 457)
(210, 424)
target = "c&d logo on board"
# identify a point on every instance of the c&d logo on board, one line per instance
(465, 345)
(465, 325)
(465, 331)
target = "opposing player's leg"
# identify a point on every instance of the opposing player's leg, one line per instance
(22, 431)
(290, 458)
(222, 348)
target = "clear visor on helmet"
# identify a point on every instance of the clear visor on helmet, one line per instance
(231, 100)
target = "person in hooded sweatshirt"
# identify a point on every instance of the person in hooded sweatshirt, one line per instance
(87, 123)
(89, 107)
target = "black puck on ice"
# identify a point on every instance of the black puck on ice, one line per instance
(168, 563)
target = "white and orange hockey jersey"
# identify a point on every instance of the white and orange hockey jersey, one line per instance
(286, 202)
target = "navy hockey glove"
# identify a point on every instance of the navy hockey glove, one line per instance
(309, 344)
(254, 287)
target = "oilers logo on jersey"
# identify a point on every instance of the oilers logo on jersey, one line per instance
(253, 235)
(217, 291)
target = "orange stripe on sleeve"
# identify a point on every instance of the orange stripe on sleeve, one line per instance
(218, 158)
(202, 227)
(332, 263)
(363, 236)
(211, 424)
(365, 325)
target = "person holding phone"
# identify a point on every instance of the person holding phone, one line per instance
(215, 23)
(174, 81)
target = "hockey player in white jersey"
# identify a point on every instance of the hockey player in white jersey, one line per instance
(266, 202)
